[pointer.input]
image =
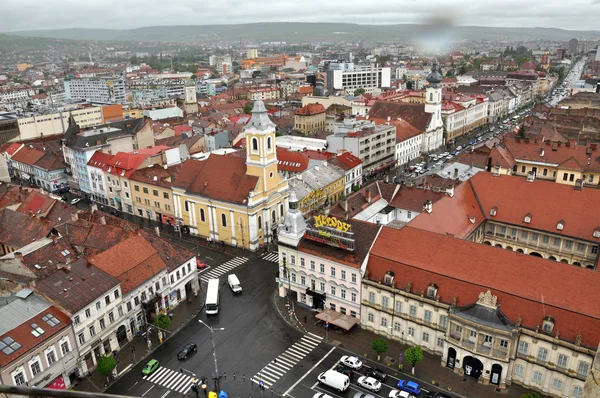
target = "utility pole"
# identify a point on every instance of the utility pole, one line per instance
(212, 338)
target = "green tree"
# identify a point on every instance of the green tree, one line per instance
(162, 321)
(379, 346)
(531, 395)
(413, 355)
(248, 109)
(561, 73)
(409, 84)
(106, 365)
(445, 125)
(359, 91)
(521, 132)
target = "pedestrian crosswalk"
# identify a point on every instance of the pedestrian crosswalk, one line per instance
(216, 272)
(287, 360)
(272, 256)
(171, 379)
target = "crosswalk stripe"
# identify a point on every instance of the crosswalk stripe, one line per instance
(158, 374)
(293, 355)
(305, 346)
(312, 337)
(165, 376)
(269, 369)
(171, 383)
(183, 386)
(290, 358)
(296, 353)
(284, 362)
(267, 377)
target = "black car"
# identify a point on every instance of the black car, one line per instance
(377, 375)
(438, 395)
(187, 350)
(345, 371)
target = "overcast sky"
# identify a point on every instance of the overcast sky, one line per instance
(125, 14)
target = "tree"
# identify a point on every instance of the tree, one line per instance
(379, 346)
(359, 91)
(561, 73)
(106, 365)
(521, 132)
(531, 395)
(248, 109)
(413, 355)
(409, 85)
(162, 321)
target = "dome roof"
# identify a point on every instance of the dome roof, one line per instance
(435, 76)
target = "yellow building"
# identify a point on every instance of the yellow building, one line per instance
(151, 193)
(234, 200)
(318, 187)
(133, 113)
(23, 66)
(309, 118)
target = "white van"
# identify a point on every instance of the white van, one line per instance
(334, 379)
(234, 283)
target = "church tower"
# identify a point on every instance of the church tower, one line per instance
(261, 155)
(190, 103)
(434, 136)
(291, 231)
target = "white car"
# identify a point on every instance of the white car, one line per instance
(321, 395)
(75, 201)
(369, 383)
(400, 394)
(351, 362)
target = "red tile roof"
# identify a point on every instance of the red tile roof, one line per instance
(310, 110)
(410, 198)
(346, 161)
(13, 148)
(28, 156)
(22, 333)
(18, 229)
(133, 262)
(293, 161)
(218, 177)
(36, 203)
(412, 113)
(464, 269)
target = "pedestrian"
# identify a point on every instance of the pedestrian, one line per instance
(275, 361)
(244, 377)
(305, 319)
(225, 375)
(233, 375)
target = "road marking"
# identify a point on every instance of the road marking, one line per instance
(165, 394)
(307, 373)
(147, 391)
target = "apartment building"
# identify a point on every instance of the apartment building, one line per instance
(374, 145)
(310, 118)
(263, 93)
(366, 77)
(352, 168)
(39, 168)
(151, 193)
(463, 114)
(318, 187)
(96, 89)
(58, 122)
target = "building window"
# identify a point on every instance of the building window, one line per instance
(322, 286)
(548, 325)
(426, 337)
(302, 262)
(503, 343)
(293, 259)
(371, 298)
(413, 311)
(120, 311)
(537, 377)
(19, 378)
(343, 293)
(102, 324)
(542, 354)
(583, 368)
(384, 302)
(519, 370)
(136, 188)
(440, 342)
(568, 244)
(98, 306)
(556, 241)
(81, 338)
(578, 391)
(333, 290)
(332, 272)
(353, 278)
(398, 307)
(111, 317)
(343, 275)
(562, 361)
(51, 357)
(223, 220)
(107, 300)
(443, 321)
(322, 268)
(254, 144)
(411, 331)
(312, 265)
(580, 247)
(557, 384)
(187, 206)
(166, 195)
(76, 320)
(332, 306)
(145, 189)
(384, 322)
(427, 316)
(202, 217)
(353, 297)
(294, 277)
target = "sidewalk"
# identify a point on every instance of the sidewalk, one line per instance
(429, 371)
(136, 350)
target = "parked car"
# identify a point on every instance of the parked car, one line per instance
(150, 367)
(188, 349)
(369, 383)
(75, 201)
(377, 374)
(321, 395)
(351, 362)
(400, 394)
(409, 386)
(363, 395)
(345, 371)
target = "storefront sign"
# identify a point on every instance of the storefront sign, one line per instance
(57, 384)
(332, 222)
(330, 231)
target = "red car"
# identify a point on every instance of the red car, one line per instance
(200, 264)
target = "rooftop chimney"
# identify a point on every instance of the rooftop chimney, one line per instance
(74, 217)
(368, 196)
(428, 206)
(102, 220)
(450, 190)
(19, 256)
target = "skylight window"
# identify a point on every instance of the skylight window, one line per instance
(8, 345)
(36, 330)
(50, 320)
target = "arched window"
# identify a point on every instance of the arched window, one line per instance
(223, 219)
(274, 217)
(202, 215)
(254, 144)
(430, 96)
(259, 222)
(269, 143)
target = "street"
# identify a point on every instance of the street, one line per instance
(253, 335)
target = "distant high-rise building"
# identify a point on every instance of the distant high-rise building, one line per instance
(573, 44)
(252, 53)
(561, 53)
(598, 54)
(96, 89)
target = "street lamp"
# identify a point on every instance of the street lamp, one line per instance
(212, 338)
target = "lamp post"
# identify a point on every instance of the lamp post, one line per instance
(212, 338)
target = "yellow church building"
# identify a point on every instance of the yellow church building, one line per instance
(227, 198)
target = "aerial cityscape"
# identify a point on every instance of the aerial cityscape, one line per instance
(300, 200)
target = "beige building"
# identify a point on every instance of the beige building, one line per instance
(151, 193)
(310, 118)
(57, 123)
(263, 93)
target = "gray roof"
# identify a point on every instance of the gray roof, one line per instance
(321, 176)
(106, 132)
(14, 311)
(486, 316)
(495, 96)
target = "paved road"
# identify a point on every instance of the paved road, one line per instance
(302, 381)
(254, 334)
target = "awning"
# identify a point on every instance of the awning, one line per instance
(340, 320)
(57, 384)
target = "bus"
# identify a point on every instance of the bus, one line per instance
(212, 297)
